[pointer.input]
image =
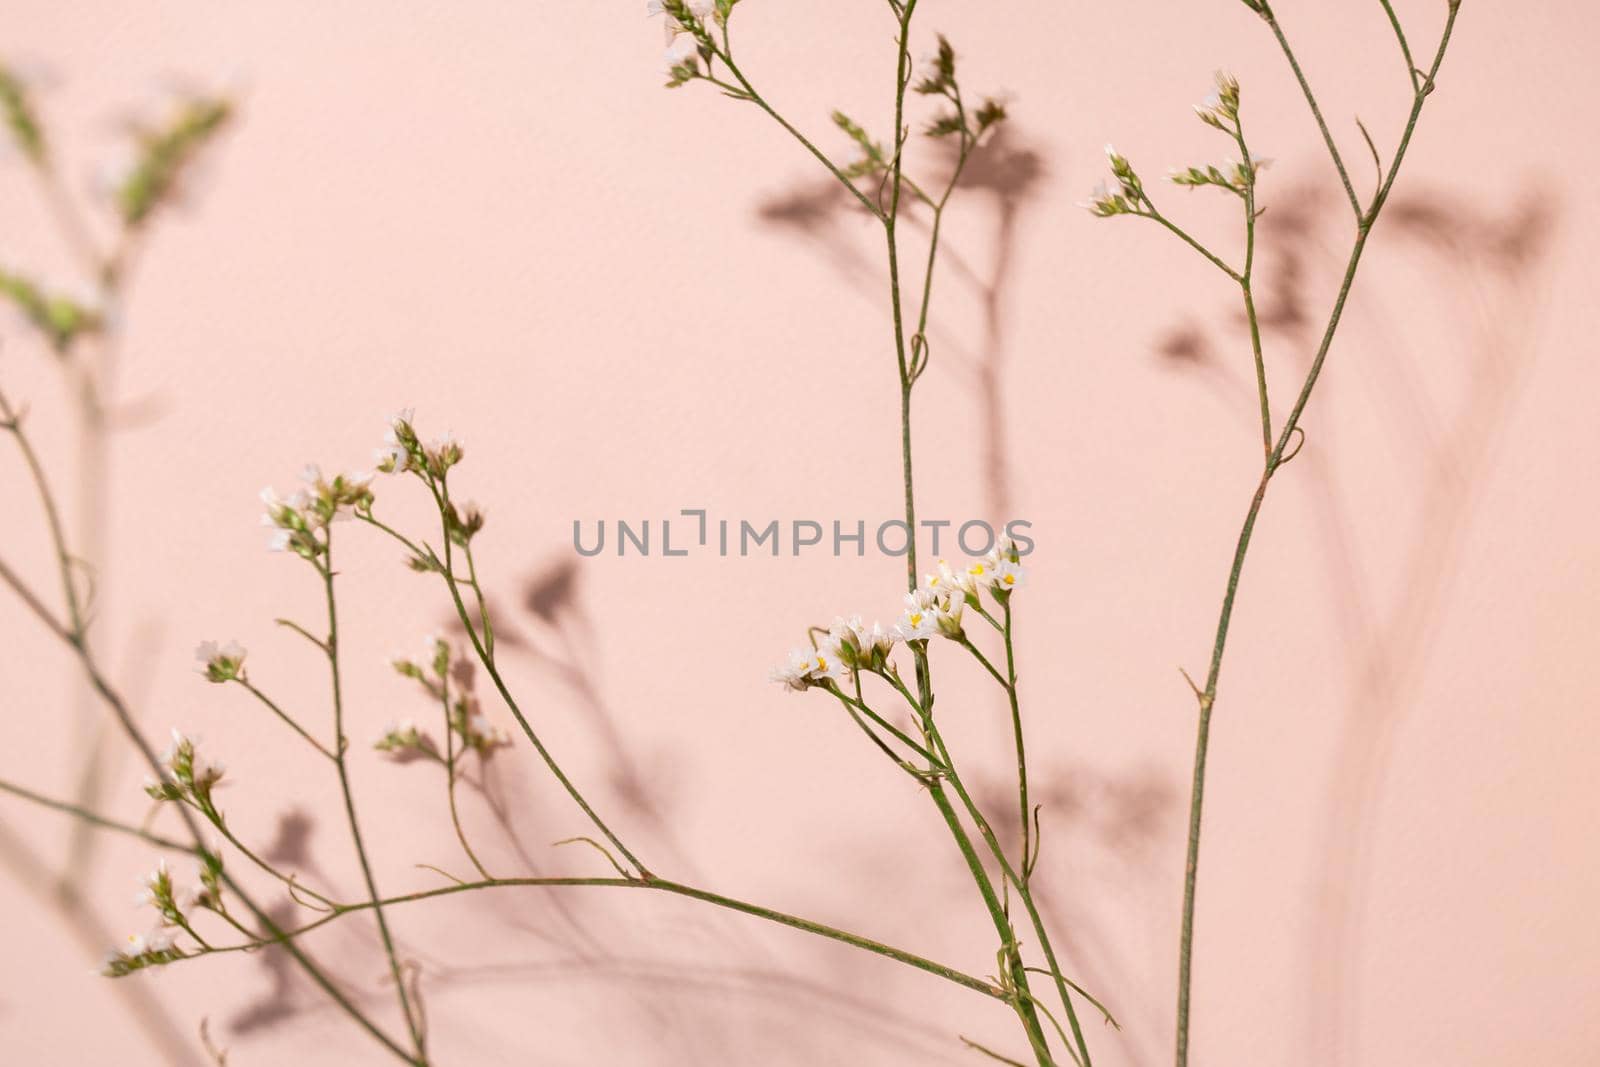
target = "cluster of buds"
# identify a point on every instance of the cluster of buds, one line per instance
(1221, 111)
(941, 81)
(220, 663)
(1221, 108)
(934, 609)
(297, 518)
(405, 742)
(1127, 198)
(999, 571)
(474, 728)
(688, 25)
(20, 117)
(141, 951)
(187, 775)
(61, 318)
(402, 450)
(173, 909)
(1234, 176)
(931, 612)
(165, 154)
(463, 523)
(433, 671)
(822, 665)
(172, 905)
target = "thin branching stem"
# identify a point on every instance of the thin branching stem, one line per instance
(1316, 110)
(331, 646)
(1207, 695)
(450, 756)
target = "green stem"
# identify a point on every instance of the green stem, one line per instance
(1024, 893)
(93, 818)
(677, 889)
(441, 493)
(756, 98)
(1207, 696)
(1316, 110)
(280, 713)
(1183, 235)
(450, 776)
(1022, 751)
(1249, 295)
(215, 818)
(119, 709)
(340, 743)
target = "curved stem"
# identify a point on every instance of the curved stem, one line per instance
(1316, 110)
(441, 495)
(215, 818)
(756, 98)
(450, 776)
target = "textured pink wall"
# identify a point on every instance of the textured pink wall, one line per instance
(493, 212)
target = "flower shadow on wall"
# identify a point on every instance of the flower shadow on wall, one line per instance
(1010, 174)
(1486, 267)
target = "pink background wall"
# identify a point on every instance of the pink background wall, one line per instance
(493, 212)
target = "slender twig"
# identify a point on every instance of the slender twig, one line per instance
(450, 775)
(1022, 750)
(215, 818)
(1245, 279)
(756, 98)
(286, 717)
(331, 646)
(1207, 695)
(1316, 110)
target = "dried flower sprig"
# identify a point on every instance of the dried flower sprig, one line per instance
(1282, 442)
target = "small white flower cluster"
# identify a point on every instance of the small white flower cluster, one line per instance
(1127, 198)
(688, 27)
(220, 663)
(474, 728)
(933, 610)
(405, 742)
(173, 907)
(187, 775)
(296, 518)
(438, 664)
(1221, 108)
(157, 890)
(402, 450)
(141, 951)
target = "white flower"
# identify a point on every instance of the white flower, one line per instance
(948, 580)
(220, 663)
(155, 888)
(947, 615)
(404, 741)
(979, 574)
(792, 673)
(917, 624)
(481, 734)
(443, 452)
(682, 48)
(391, 457)
(1009, 575)
(827, 664)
